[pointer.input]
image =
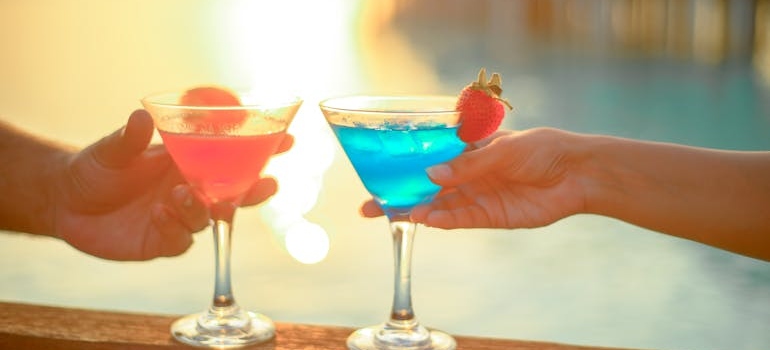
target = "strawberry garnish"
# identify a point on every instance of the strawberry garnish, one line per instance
(481, 107)
(215, 122)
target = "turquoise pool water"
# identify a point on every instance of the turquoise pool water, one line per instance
(596, 278)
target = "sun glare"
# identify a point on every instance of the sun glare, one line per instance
(307, 242)
(297, 46)
(290, 44)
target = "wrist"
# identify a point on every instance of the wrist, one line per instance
(604, 173)
(31, 169)
(53, 174)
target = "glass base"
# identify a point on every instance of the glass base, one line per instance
(383, 338)
(203, 330)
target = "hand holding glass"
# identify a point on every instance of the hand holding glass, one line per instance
(221, 150)
(391, 140)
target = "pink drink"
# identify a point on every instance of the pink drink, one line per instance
(221, 168)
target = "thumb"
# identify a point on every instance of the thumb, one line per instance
(122, 146)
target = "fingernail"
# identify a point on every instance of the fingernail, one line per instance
(438, 172)
(154, 151)
(183, 196)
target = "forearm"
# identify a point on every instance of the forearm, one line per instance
(27, 175)
(720, 198)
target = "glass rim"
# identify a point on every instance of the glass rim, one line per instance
(166, 99)
(331, 104)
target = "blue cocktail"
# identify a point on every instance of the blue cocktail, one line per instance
(390, 141)
(391, 160)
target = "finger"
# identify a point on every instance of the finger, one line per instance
(469, 165)
(260, 191)
(122, 146)
(440, 202)
(138, 130)
(450, 210)
(462, 217)
(171, 237)
(286, 143)
(442, 219)
(370, 209)
(190, 211)
(450, 199)
(420, 213)
(487, 140)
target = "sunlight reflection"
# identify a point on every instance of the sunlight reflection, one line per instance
(709, 32)
(301, 171)
(288, 45)
(297, 46)
(300, 174)
(307, 242)
(762, 41)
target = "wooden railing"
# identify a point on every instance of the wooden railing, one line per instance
(25, 326)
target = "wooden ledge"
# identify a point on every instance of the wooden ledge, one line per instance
(24, 326)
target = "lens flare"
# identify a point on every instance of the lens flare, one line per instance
(307, 242)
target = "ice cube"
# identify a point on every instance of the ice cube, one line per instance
(399, 143)
(358, 139)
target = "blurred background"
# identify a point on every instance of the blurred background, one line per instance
(694, 72)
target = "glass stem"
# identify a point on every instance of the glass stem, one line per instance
(402, 315)
(222, 216)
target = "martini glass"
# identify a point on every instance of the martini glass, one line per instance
(390, 141)
(220, 151)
